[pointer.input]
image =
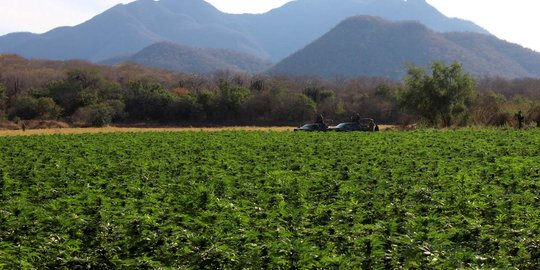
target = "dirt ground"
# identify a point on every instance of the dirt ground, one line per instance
(54, 131)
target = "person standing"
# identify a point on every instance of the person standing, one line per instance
(355, 118)
(520, 118)
(319, 119)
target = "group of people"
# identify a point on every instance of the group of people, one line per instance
(319, 119)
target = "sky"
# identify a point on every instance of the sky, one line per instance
(511, 20)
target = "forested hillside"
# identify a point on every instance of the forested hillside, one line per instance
(85, 94)
(372, 46)
(175, 57)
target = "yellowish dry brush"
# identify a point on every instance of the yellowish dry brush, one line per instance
(132, 129)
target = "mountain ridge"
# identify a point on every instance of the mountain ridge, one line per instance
(372, 46)
(315, 13)
(174, 57)
(128, 28)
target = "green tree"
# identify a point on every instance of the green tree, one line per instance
(39, 92)
(28, 107)
(184, 108)
(232, 97)
(439, 97)
(87, 97)
(148, 100)
(47, 108)
(97, 115)
(294, 108)
(318, 94)
(25, 107)
(118, 109)
(208, 101)
(79, 88)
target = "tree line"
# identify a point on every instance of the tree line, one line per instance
(85, 94)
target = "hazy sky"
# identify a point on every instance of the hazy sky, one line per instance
(512, 20)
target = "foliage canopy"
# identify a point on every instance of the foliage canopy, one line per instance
(440, 97)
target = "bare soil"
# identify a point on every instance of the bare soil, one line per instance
(61, 128)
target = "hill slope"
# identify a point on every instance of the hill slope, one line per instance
(126, 29)
(186, 59)
(302, 21)
(375, 47)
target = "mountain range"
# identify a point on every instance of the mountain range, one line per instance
(372, 46)
(301, 37)
(288, 29)
(126, 29)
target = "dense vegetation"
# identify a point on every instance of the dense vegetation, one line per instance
(84, 94)
(234, 200)
(441, 97)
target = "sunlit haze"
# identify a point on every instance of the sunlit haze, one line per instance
(514, 21)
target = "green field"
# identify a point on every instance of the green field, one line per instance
(276, 200)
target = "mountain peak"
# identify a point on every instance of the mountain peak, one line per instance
(319, 16)
(188, 7)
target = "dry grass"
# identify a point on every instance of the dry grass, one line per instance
(388, 127)
(54, 131)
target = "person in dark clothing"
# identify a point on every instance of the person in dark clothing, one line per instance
(355, 117)
(319, 119)
(520, 118)
(23, 126)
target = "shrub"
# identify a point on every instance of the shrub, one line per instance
(48, 109)
(97, 115)
(25, 108)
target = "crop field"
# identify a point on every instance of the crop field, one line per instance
(271, 200)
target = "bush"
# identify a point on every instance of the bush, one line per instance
(48, 109)
(534, 116)
(25, 108)
(148, 101)
(97, 115)
(118, 109)
(295, 108)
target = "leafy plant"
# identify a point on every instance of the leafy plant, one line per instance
(234, 200)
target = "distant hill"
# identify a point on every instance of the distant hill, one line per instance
(174, 57)
(289, 28)
(126, 29)
(373, 46)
